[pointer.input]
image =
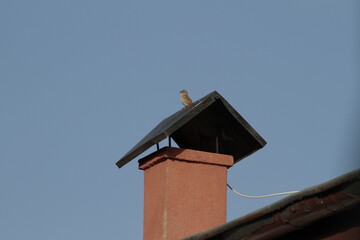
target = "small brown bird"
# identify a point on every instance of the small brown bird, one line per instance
(184, 98)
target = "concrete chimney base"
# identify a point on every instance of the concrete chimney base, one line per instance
(184, 192)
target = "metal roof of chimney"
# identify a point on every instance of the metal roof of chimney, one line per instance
(210, 124)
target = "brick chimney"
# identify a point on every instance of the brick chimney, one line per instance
(184, 192)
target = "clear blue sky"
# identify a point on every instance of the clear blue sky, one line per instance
(81, 82)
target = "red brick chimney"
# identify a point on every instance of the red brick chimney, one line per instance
(184, 192)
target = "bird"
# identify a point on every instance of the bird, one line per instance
(184, 98)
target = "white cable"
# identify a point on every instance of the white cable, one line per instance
(263, 196)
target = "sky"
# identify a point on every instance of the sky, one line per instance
(81, 82)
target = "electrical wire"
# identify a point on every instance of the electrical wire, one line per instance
(262, 196)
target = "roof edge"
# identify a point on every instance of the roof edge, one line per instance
(311, 204)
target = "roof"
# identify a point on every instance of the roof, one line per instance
(210, 124)
(288, 215)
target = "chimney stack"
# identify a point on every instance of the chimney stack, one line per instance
(184, 192)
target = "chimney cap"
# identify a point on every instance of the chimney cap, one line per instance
(210, 124)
